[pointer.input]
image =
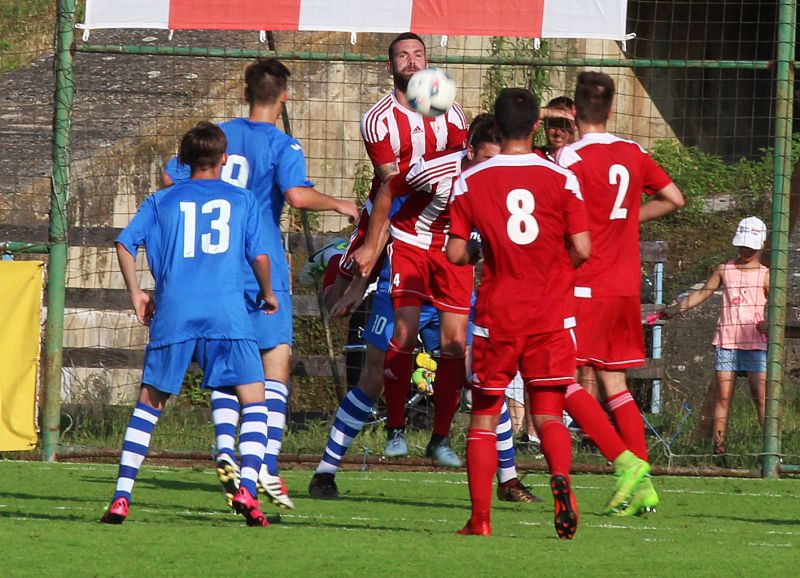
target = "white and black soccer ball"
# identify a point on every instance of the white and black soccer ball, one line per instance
(431, 92)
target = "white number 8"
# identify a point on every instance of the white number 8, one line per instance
(522, 227)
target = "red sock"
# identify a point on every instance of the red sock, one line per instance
(556, 447)
(397, 368)
(629, 422)
(481, 464)
(450, 376)
(594, 421)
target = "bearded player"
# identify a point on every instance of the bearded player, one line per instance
(395, 136)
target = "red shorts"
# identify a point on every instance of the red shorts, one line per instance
(426, 276)
(544, 360)
(609, 332)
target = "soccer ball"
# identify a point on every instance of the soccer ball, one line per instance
(431, 92)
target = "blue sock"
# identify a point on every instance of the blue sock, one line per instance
(354, 411)
(134, 448)
(252, 441)
(276, 394)
(506, 456)
(225, 415)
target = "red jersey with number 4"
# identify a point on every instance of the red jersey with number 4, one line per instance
(424, 218)
(613, 174)
(392, 133)
(523, 207)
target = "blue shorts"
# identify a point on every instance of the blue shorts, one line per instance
(225, 363)
(380, 323)
(272, 330)
(740, 359)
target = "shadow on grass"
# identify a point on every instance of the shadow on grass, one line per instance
(754, 520)
(372, 498)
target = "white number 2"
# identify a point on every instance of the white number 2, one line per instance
(521, 227)
(618, 175)
(220, 224)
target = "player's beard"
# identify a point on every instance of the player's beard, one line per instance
(400, 80)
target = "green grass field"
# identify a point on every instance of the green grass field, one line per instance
(385, 524)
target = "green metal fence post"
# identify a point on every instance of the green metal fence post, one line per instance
(780, 237)
(57, 269)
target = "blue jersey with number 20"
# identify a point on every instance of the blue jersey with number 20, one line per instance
(268, 162)
(197, 234)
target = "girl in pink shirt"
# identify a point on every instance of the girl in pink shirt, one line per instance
(740, 339)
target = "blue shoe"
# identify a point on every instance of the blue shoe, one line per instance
(396, 446)
(443, 454)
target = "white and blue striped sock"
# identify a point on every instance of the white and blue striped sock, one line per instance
(252, 441)
(225, 415)
(353, 412)
(134, 448)
(276, 394)
(506, 456)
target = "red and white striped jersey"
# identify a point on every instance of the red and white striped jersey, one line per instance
(393, 133)
(424, 218)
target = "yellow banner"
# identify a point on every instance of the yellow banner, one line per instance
(21, 290)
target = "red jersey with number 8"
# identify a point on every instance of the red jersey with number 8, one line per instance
(524, 207)
(613, 174)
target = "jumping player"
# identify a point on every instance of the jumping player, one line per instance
(197, 235)
(395, 136)
(614, 173)
(271, 164)
(524, 208)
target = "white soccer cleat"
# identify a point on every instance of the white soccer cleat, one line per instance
(274, 488)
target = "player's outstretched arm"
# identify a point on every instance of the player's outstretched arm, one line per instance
(351, 297)
(664, 201)
(364, 257)
(580, 248)
(266, 298)
(311, 199)
(143, 304)
(457, 251)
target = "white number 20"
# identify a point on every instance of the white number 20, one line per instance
(521, 227)
(618, 175)
(220, 224)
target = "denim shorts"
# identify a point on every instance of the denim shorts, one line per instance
(741, 359)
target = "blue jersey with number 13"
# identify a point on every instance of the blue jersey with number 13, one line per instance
(197, 234)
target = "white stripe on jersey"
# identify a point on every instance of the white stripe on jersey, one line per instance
(371, 121)
(599, 138)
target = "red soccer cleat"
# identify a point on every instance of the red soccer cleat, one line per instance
(483, 528)
(116, 512)
(245, 504)
(566, 508)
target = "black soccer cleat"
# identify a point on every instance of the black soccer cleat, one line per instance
(566, 508)
(323, 487)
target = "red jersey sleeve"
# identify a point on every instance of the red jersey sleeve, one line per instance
(574, 210)
(654, 178)
(461, 222)
(377, 143)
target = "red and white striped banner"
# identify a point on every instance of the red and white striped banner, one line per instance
(531, 18)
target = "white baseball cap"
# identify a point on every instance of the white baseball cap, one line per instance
(751, 232)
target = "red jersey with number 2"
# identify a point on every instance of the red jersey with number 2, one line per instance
(613, 174)
(523, 207)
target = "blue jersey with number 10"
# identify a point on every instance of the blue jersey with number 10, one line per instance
(268, 162)
(197, 235)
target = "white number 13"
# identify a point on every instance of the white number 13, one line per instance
(521, 227)
(220, 224)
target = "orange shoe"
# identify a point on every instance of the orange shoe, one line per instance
(483, 528)
(566, 508)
